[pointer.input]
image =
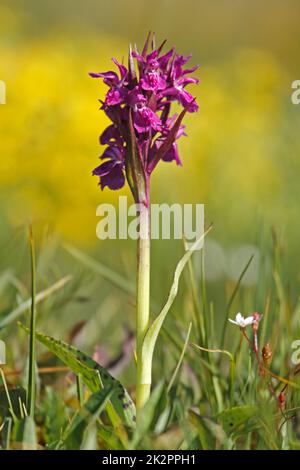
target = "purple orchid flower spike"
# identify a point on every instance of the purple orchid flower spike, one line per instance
(138, 102)
(143, 132)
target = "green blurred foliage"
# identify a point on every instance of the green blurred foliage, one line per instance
(241, 156)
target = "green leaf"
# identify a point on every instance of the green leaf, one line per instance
(177, 368)
(237, 418)
(154, 329)
(75, 433)
(93, 375)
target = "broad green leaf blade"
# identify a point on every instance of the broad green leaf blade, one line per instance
(87, 415)
(154, 329)
(236, 418)
(92, 375)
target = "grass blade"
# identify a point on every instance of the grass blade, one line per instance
(99, 268)
(24, 306)
(31, 388)
(235, 291)
(180, 359)
(232, 368)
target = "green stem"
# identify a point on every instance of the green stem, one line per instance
(79, 389)
(142, 305)
(31, 390)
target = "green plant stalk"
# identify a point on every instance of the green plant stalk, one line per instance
(197, 311)
(232, 381)
(79, 389)
(31, 389)
(142, 307)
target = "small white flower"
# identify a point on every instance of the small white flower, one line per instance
(241, 321)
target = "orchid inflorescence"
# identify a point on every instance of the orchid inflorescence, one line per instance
(138, 103)
(143, 131)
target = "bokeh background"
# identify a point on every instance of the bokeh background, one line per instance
(241, 158)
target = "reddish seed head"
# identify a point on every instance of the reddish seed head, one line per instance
(267, 354)
(281, 400)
